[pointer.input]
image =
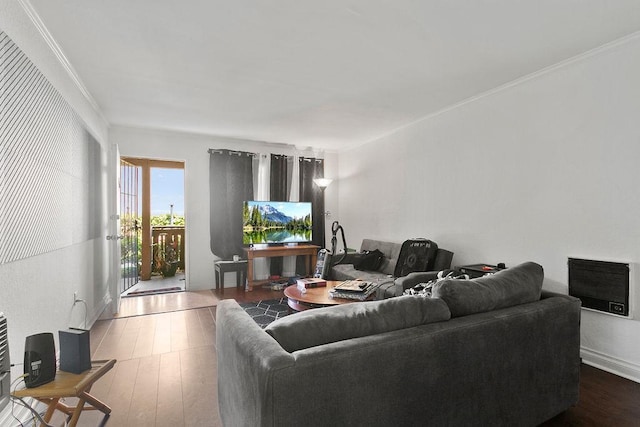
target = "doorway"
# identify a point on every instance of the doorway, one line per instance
(160, 225)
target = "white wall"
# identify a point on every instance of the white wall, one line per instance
(36, 293)
(16, 22)
(541, 170)
(192, 149)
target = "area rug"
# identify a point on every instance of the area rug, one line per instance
(266, 311)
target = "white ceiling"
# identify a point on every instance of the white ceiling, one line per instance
(331, 74)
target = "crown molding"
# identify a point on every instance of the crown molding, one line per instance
(61, 57)
(516, 82)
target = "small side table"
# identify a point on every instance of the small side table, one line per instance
(240, 267)
(478, 270)
(67, 384)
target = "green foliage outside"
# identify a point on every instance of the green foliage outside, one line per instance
(165, 219)
(129, 246)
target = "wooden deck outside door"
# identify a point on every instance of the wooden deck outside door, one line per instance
(146, 250)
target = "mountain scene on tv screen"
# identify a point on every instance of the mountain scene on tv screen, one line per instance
(265, 223)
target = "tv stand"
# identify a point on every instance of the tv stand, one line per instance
(310, 251)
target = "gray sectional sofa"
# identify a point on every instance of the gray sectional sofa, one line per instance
(490, 351)
(345, 270)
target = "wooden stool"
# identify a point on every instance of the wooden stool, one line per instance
(240, 267)
(67, 384)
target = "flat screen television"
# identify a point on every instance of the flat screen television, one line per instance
(276, 222)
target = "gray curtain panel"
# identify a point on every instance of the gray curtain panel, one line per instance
(279, 178)
(279, 181)
(230, 184)
(310, 169)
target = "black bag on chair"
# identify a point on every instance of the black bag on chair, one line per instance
(369, 260)
(416, 255)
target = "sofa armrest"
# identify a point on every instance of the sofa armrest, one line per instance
(409, 281)
(412, 279)
(550, 294)
(247, 358)
(345, 258)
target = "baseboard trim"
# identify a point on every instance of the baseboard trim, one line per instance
(622, 368)
(106, 302)
(104, 311)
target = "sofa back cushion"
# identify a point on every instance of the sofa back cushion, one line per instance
(390, 250)
(516, 285)
(342, 322)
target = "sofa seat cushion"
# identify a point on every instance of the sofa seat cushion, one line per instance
(320, 326)
(390, 250)
(349, 272)
(516, 285)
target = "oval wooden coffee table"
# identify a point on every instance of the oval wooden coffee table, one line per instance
(314, 297)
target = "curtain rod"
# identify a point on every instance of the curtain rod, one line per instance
(240, 153)
(306, 159)
(309, 159)
(230, 152)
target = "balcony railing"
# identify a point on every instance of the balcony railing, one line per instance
(172, 235)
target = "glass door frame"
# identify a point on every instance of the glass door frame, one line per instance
(147, 241)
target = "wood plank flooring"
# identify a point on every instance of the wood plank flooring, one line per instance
(162, 303)
(605, 400)
(166, 373)
(166, 370)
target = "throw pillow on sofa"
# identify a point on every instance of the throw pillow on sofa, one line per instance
(516, 285)
(369, 260)
(320, 326)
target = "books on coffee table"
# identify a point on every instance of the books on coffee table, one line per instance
(311, 282)
(358, 290)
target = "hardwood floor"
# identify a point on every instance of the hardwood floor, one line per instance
(605, 400)
(162, 303)
(166, 373)
(166, 370)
